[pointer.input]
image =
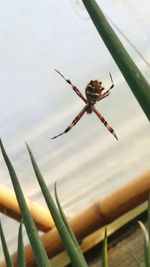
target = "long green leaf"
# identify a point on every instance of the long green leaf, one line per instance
(20, 250)
(104, 251)
(148, 215)
(146, 244)
(65, 220)
(37, 246)
(75, 257)
(5, 248)
(133, 76)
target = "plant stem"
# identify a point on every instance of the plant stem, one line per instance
(133, 76)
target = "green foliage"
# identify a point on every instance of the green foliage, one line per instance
(104, 262)
(69, 240)
(66, 222)
(146, 235)
(146, 244)
(20, 250)
(133, 76)
(38, 249)
(5, 248)
(70, 245)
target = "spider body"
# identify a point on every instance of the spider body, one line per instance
(94, 93)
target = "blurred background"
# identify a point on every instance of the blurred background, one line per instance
(36, 103)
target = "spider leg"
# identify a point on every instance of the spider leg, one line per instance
(73, 123)
(77, 91)
(106, 93)
(111, 79)
(105, 123)
(112, 84)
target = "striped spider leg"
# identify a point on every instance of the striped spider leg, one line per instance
(94, 93)
(73, 123)
(73, 87)
(106, 93)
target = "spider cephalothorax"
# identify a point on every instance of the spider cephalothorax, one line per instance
(94, 92)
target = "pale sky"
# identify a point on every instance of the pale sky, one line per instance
(36, 104)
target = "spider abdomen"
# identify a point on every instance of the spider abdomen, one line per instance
(93, 91)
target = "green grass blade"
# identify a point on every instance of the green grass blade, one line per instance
(129, 42)
(146, 244)
(20, 250)
(133, 76)
(5, 248)
(75, 257)
(65, 220)
(104, 251)
(148, 256)
(148, 215)
(38, 249)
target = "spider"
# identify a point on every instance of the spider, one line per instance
(94, 93)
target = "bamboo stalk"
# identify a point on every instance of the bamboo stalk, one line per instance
(103, 212)
(9, 206)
